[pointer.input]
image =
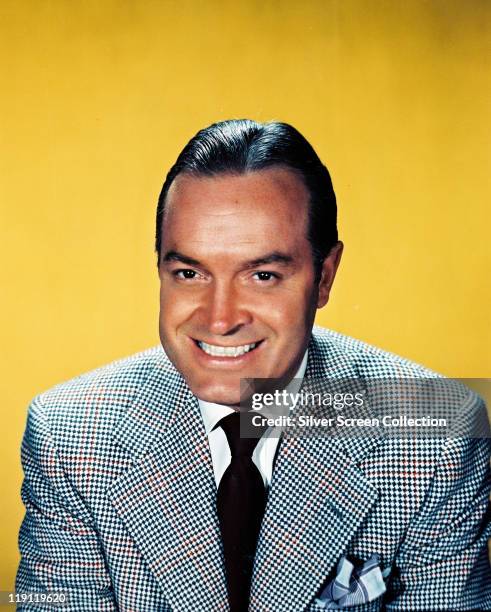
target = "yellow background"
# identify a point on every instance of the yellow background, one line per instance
(99, 96)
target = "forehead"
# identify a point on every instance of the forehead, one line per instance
(262, 205)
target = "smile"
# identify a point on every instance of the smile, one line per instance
(226, 351)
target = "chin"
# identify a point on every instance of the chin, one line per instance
(217, 394)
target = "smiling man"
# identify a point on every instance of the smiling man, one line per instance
(238, 286)
(140, 493)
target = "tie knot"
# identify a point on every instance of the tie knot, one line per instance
(239, 447)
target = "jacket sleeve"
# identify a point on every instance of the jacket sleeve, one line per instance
(443, 563)
(59, 546)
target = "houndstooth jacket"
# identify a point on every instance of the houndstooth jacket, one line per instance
(120, 499)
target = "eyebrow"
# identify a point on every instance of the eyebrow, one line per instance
(176, 256)
(275, 257)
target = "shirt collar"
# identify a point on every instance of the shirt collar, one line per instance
(212, 413)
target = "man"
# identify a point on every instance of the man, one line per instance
(141, 496)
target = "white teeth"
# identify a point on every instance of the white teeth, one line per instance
(226, 351)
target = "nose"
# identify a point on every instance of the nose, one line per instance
(226, 311)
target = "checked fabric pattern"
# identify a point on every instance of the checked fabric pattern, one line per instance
(120, 498)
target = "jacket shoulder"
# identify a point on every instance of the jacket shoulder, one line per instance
(372, 364)
(370, 359)
(102, 394)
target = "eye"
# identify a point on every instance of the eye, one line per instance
(265, 276)
(185, 274)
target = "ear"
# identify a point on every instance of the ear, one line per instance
(329, 268)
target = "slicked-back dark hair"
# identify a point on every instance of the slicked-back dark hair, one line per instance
(238, 146)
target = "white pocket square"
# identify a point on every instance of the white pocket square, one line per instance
(352, 585)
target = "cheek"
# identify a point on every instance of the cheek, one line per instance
(293, 310)
(169, 319)
(174, 307)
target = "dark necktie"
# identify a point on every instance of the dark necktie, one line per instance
(240, 505)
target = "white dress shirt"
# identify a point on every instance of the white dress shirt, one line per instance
(263, 455)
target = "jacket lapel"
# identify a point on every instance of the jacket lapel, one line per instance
(317, 500)
(167, 498)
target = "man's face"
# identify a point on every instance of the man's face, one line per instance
(238, 293)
